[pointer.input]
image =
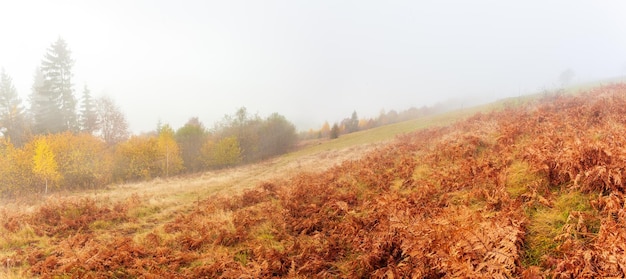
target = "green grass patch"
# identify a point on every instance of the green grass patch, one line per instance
(144, 211)
(546, 223)
(100, 225)
(242, 257)
(265, 234)
(21, 238)
(518, 178)
(388, 132)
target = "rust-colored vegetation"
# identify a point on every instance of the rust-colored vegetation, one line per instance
(531, 191)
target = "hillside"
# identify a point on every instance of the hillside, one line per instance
(530, 190)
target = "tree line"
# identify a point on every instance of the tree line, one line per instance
(354, 123)
(61, 142)
(54, 107)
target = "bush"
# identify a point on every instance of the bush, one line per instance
(224, 153)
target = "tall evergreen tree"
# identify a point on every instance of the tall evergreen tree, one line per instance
(12, 116)
(54, 104)
(334, 131)
(88, 113)
(351, 124)
(43, 108)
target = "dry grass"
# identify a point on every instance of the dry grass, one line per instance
(504, 194)
(456, 168)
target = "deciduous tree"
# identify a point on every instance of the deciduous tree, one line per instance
(17, 176)
(257, 138)
(170, 162)
(246, 129)
(224, 153)
(44, 163)
(137, 158)
(325, 131)
(113, 127)
(190, 139)
(5, 167)
(82, 159)
(277, 136)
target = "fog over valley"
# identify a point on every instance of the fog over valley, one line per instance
(311, 61)
(312, 139)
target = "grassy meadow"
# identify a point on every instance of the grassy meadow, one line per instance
(525, 187)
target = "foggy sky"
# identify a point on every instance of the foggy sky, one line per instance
(310, 60)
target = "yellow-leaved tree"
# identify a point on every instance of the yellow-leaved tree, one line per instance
(325, 131)
(17, 175)
(82, 160)
(44, 164)
(146, 157)
(136, 158)
(224, 153)
(171, 162)
(5, 167)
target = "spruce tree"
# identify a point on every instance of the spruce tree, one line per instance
(88, 113)
(53, 101)
(43, 107)
(12, 117)
(334, 131)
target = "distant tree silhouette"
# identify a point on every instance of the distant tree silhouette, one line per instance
(258, 138)
(566, 77)
(88, 117)
(190, 139)
(113, 127)
(325, 131)
(277, 136)
(334, 131)
(12, 116)
(351, 124)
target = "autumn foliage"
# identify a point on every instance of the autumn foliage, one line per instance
(474, 199)
(63, 161)
(146, 157)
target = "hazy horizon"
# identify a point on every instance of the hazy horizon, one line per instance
(310, 61)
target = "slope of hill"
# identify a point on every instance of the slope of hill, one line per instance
(535, 190)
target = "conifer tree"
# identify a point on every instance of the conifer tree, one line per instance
(88, 113)
(40, 104)
(334, 131)
(53, 101)
(12, 116)
(351, 124)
